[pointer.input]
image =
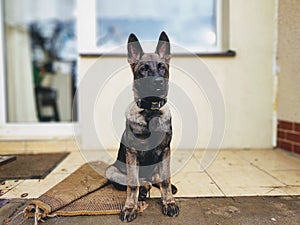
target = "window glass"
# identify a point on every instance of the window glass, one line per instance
(41, 54)
(192, 24)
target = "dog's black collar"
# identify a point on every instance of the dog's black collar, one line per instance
(151, 104)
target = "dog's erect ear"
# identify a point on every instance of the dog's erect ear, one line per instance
(163, 48)
(134, 49)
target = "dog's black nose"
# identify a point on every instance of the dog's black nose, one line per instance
(159, 81)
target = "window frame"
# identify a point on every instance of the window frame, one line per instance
(87, 31)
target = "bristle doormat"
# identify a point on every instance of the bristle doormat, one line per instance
(84, 192)
(31, 166)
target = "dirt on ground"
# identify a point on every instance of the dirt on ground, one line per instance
(198, 211)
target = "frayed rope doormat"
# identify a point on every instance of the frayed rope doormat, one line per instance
(84, 192)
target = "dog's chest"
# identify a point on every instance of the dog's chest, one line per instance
(144, 123)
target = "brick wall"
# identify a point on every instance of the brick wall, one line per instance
(288, 136)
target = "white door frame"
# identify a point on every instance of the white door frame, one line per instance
(17, 131)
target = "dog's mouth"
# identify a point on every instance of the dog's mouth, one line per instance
(160, 92)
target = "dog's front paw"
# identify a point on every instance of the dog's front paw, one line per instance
(170, 209)
(128, 214)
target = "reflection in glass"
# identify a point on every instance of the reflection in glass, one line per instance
(41, 54)
(191, 23)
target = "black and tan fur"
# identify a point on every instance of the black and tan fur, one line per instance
(144, 154)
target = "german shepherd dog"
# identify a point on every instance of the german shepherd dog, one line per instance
(144, 154)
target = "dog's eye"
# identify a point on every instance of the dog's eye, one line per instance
(161, 68)
(144, 69)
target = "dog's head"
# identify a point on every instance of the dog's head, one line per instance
(150, 71)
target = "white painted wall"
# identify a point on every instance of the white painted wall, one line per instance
(288, 61)
(246, 83)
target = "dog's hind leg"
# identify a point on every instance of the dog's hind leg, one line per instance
(144, 190)
(116, 177)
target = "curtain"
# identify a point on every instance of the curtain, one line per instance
(20, 91)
